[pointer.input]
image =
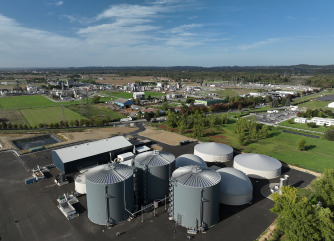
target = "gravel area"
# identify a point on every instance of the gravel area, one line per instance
(166, 137)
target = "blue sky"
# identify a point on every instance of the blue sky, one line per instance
(74, 33)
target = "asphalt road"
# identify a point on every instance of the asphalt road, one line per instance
(29, 212)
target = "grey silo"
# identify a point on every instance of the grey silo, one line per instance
(194, 197)
(235, 187)
(110, 193)
(154, 171)
(188, 160)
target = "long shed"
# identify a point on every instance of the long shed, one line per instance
(73, 158)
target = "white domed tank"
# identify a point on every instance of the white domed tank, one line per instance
(214, 152)
(235, 187)
(154, 170)
(188, 160)
(80, 183)
(194, 197)
(258, 165)
(110, 193)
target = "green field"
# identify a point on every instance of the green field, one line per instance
(13, 116)
(283, 146)
(303, 126)
(96, 111)
(30, 101)
(48, 115)
(127, 95)
(316, 104)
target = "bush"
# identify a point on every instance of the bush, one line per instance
(329, 134)
(301, 144)
(311, 124)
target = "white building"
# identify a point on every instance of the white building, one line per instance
(139, 95)
(294, 107)
(331, 105)
(31, 88)
(300, 120)
(272, 111)
(321, 121)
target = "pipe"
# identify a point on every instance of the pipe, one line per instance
(201, 210)
(286, 177)
(106, 203)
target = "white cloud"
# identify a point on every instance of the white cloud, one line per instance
(260, 44)
(289, 17)
(71, 18)
(193, 17)
(59, 3)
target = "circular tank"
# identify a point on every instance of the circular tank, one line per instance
(154, 170)
(258, 165)
(80, 183)
(194, 197)
(188, 160)
(110, 191)
(214, 152)
(235, 187)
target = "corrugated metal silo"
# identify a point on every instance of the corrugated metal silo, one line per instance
(110, 193)
(154, 171)
(194, 196)
(188, 160)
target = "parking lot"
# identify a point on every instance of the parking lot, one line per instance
(275, 118)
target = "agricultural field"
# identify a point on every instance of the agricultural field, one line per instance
(48, 115)
(13, 116)
(96, 111)
(30, 101)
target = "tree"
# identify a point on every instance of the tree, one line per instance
(275, 104)
(61, 123)
(66, 124)
(96, 99)
(270, 104)
(107, 119)
(51, 125)
(20, 126)
(329, 134)
(56, 125)
(288, 102)
(239, 107)
(299, 219)
(148, 117)
(24, 127)
(324, 188)
(71, 123)
(155, 118)
(139, 114)
(4, 125)
(242, 138)
(157, 113)
(76, 123)
(301, 144)
(149, 97)
(165, 99)
(41, 125)
(283, 101)
(227, 98)
(165, 106)
(91, 121)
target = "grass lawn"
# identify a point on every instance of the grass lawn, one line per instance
(315, 104)
(48, 115)
(127, 95)
(30, 101)
(303, 126)
(283, 146)
(97, 111)
(13, 116)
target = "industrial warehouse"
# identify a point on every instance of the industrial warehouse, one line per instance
(107, 189)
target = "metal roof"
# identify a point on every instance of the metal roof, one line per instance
(73, 153)
(155, 158)
(213, 148)
(122, 100)
(234, 182)
(257, 162)
(109, 173)
(189, 159)
(196, 176)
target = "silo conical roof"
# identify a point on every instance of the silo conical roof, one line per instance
(109, 173)
(196, 176)
(155, 158)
